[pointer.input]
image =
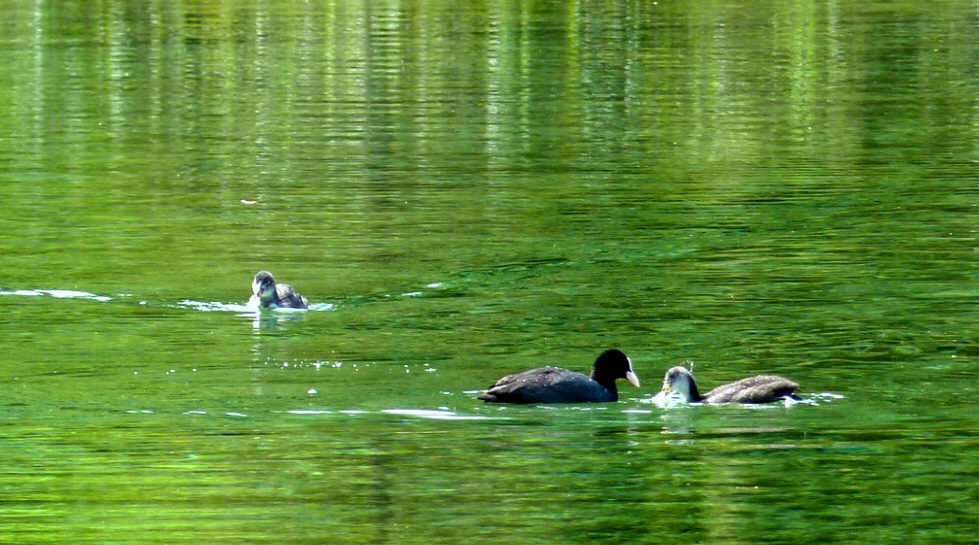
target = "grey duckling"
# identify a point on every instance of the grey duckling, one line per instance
(757, 389)
(266, 293)
(556, 385)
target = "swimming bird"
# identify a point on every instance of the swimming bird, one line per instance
(266, 293)
(556, 385)
(757, 389)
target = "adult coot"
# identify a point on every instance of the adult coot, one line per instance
(556, 385)
(266, 293)
(757, 389)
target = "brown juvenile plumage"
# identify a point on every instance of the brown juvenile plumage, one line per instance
(266, 293)
(757, 389)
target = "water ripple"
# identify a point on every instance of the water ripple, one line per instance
(59, 294)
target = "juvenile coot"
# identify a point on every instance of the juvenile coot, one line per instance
(266, 293)
(757, 389)
(556, 385)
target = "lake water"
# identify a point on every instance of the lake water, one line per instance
(465, 190)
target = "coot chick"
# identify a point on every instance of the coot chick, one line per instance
(556, 385)
(266, 293)
(757, 389)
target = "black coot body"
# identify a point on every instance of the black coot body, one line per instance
(266, 293)
(757, 389)
(556, 385)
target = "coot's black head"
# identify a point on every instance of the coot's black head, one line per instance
(264, 286)
(612, 365)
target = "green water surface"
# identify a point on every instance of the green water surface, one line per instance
(468, 189)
